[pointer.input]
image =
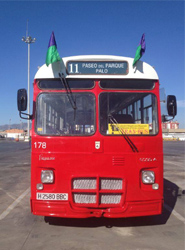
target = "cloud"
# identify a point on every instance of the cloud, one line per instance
(181, 104)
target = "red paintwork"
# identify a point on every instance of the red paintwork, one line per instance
(75, 156)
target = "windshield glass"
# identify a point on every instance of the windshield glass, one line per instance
(128, 113)
(56, 116)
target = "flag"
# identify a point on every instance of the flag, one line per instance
(140, 49)
(52, 53)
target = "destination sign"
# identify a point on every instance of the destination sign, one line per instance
(97, 68)
(132, 129)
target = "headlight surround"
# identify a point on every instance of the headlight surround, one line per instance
(148, 177)
(47, 176)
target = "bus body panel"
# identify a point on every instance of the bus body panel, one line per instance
(112, 162)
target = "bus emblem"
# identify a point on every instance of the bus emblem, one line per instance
(148, 159)
(97, 144)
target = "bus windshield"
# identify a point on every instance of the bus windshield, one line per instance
(55, 115)
(128, 113)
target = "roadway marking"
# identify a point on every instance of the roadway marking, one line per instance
(177, 215)
(9, 195)
(14, 204)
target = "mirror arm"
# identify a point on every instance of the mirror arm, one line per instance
(165, 119)
(25, 118)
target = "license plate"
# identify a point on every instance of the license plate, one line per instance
(52, 196)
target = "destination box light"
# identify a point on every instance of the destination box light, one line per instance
(97, 68)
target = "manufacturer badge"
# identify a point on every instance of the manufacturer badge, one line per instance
(97, 144)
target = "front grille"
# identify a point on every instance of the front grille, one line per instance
(110, 198)
(84, 198)
(111, 184)
(99, 191)
(84, 183)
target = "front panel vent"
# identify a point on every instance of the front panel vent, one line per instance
(118, 161)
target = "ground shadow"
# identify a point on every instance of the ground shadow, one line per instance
(170, 198)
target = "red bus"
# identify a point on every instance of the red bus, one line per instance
(96, 138)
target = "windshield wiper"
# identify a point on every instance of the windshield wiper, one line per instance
(70, 96)
(128, 140)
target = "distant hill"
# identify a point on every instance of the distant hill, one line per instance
(13, 126)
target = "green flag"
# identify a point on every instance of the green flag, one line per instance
(52, 53)
(140, 49)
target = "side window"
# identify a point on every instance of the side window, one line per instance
(137, 113)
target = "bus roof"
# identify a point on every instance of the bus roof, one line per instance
(142, 70)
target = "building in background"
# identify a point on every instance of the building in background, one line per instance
(170, 125)
(15, 133)
(171, 131)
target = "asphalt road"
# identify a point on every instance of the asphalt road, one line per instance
(20, 230)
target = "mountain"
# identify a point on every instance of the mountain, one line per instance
(22, 125)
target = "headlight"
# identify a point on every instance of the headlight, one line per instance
(47, 176)
(148, 177)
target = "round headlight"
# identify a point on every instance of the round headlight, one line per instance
(47, 176)
(148, 177)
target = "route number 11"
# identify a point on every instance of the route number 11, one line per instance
(73, 68)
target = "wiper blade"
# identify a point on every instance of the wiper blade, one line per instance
(128, 140)
(70, 96)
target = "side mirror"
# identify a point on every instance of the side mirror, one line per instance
(171, 105)
(22, 99)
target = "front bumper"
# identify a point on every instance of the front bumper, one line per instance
(64, 209)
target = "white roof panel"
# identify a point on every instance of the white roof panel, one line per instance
(141, 71)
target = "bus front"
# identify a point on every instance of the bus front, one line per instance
(96, 139)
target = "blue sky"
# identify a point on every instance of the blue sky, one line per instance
(91, 27)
